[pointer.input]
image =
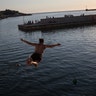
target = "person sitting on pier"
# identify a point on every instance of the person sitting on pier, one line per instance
(36, 57)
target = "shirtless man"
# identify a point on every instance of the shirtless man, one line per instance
(36, 57)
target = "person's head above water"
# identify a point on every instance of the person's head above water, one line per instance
(41, 40)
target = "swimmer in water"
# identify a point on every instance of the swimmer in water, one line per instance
(36, 57)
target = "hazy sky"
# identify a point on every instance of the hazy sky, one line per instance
(33, 6)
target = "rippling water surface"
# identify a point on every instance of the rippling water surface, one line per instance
(75, 59)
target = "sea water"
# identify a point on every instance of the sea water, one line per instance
(66, 70)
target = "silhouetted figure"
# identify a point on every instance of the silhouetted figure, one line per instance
(36, 57)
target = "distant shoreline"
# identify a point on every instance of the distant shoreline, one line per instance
(90, 9)
(11, 13)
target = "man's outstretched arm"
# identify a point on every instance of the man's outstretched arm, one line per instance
(33, 44)
(51, 46)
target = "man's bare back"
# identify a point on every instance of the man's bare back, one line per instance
(39, 49)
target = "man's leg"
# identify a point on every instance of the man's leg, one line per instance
(28, 61)
(34, 63)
